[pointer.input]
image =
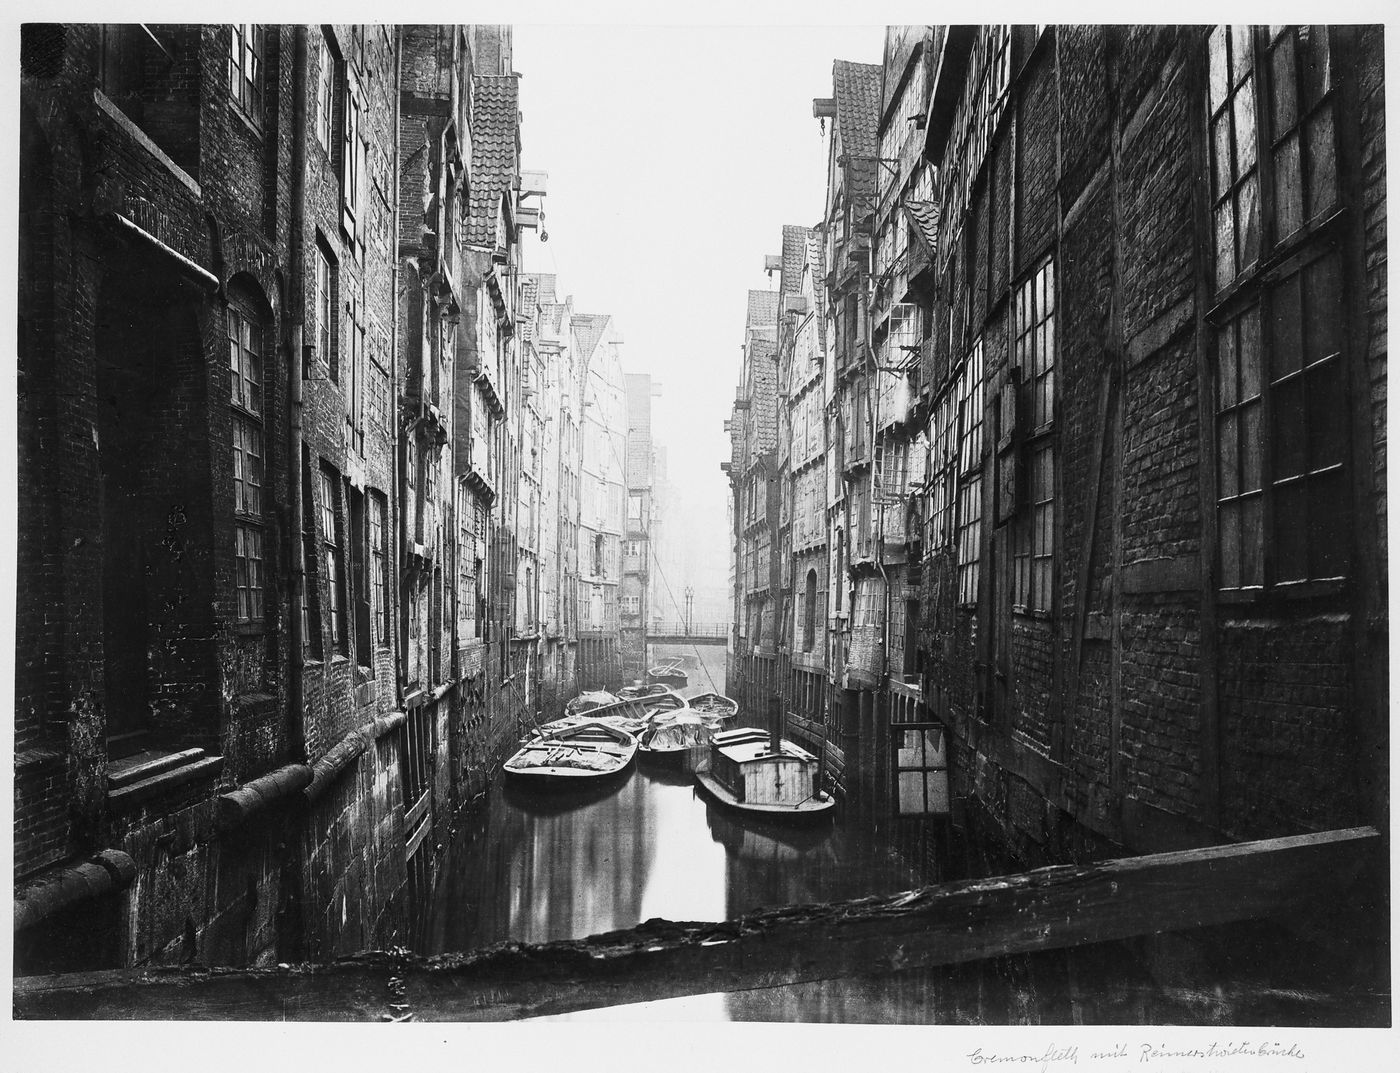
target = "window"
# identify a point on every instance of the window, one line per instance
(1034, 530)
(632, 605)
(969, 506)
(245, 63)
(325, 95)
(943, 465)
(335, 564)
(326, 281)
(353, 152)
(1285, 110)
(466, 586)
(354, 394)
(245, 364)
(1281, 424)
(921, 771)
(809, 612)
(361, 589)
(379, 567)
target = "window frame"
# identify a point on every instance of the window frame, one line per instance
(247, 47)
(246, 337)
(1035, 309)
(970, 387)
(332, 543)
(1287, 255)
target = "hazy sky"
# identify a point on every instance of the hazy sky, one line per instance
(675, 155)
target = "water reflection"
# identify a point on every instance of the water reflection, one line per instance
(538, 866)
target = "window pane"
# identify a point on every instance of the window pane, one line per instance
(911, 792)
(1241, 52)
(1314, 64)
(1330, 533)
(1327, 417)
(1322, 294)
(1247, 219)
(1224, 244)
(1230, 544)
(1251, 448)
(1250, 357)
(1228, 454)
(1219, 80)
(1288, 188)
(936, 788)
(1244, 128)
(1283, 92)
(1289, 438)
(1227, 373)
(1322, 162)
(1220, 154)
(1252, 541)
(1287, 351)
(1290, 532)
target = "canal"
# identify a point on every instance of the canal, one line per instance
(537, 868)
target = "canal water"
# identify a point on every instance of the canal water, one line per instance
(539, 868)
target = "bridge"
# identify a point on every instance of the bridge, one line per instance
(695, 633)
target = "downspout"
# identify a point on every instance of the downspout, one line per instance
(394, 554)
(296, 731)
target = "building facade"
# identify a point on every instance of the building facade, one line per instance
(301, 458)
(1103, 380)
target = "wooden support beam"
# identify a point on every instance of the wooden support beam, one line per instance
(1060, 906)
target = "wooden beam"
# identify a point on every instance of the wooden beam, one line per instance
(1060, 906)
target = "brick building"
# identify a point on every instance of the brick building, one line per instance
(1105, 385)
(285, 580)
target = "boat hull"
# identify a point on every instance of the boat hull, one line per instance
(809, 810)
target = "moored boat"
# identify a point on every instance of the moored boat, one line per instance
(746, 773)
(577, 755)
(632, 714)
(715, 707)
(674, 735)
(668, 674)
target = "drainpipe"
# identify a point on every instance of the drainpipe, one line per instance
(395, 532)
(296, 731)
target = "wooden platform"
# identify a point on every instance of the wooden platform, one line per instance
(953, 923)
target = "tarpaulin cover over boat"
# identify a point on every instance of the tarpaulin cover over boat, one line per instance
(588, 701)
(679, 730)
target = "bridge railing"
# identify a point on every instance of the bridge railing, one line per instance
(693, 629)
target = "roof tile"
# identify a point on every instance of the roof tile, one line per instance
(495, 132)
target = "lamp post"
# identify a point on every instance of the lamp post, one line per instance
(689, 608)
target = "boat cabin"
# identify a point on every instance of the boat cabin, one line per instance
(743, 761)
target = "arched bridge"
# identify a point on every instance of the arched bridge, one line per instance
(696, 633)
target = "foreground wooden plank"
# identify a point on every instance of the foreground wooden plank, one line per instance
(957, 922)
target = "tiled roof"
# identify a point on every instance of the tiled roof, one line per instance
(529, 304)
(495, 124)
(588, 329)
(547, 281)
(794, 252)
(857, 88)
(924, 216)
(763, 309)
(816, 259)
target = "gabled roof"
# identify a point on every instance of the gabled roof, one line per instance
(763, 309)
(588, 329)
(857, 88)
(495, 126)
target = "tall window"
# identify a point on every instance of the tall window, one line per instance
(245, 69)
(969, 507)
(1034, 531)
(809, 612)
(245, 366)
(324, 299)
(353, 151)
(921, 770)
(335, 561)
(943, 464)
(379, 567)
(1280, 387)
(325, 95)
(354, 395)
